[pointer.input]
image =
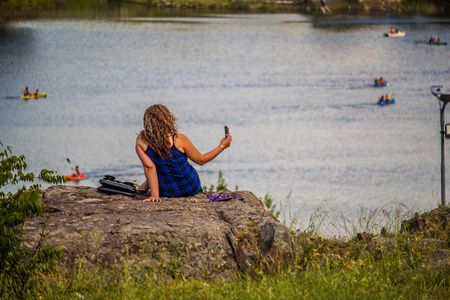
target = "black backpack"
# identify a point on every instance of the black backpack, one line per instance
(112, 186)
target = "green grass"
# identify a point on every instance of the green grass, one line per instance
(334, 278)
(328, 268)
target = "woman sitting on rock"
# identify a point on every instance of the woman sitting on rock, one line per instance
(164, 153)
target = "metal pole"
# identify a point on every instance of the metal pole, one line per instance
(442, 155)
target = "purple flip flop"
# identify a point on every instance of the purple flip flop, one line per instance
(224, 197)
(218, 197)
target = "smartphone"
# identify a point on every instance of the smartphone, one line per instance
(226, 130)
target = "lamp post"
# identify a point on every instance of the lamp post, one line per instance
(442, 107)
(443, 98)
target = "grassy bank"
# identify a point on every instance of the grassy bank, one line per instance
(408, 257)
(341, 268)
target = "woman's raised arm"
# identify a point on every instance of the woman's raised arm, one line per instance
(195, 155)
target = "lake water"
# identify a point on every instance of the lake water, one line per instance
(295, 91)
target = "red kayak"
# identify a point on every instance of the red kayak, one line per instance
(70, 177)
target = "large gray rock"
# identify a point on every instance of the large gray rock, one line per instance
(177, 237)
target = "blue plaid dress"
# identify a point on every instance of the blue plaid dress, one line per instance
(176, 177)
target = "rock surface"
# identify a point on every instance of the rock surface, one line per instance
(432, 224)
(178, 236)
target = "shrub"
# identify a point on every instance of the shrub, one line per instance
(20, 268)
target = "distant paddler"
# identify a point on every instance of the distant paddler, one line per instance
(26, 92)
(380, 82)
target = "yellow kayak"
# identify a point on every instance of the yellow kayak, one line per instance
(33, 96)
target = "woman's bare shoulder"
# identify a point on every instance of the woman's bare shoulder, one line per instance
(181, 136)
(181, 141)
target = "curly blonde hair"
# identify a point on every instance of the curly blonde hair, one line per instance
(159, 123)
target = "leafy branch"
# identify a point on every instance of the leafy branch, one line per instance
(20, 268)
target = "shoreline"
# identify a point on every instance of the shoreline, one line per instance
(11, 10)
(305, 6)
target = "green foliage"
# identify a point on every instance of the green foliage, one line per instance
(20, 268)
(268, 201)
(221, 184)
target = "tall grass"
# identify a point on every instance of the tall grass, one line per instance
(326, 221)
(325, 268)
(339, 278)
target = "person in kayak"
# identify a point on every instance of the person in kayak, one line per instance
(36, 92)
(77, 172)
(164, 153)
(26, 92)
(388, 98)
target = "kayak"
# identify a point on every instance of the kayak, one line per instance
(436, 44)
(33, 96)
(70, 177)
(394, 34)
(381, 85)
(392, 101)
